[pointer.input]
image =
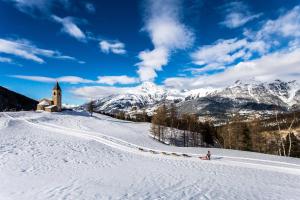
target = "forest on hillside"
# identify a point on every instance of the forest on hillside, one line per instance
(278, 135)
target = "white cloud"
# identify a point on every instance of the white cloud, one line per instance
(90, 7)
(8, 60)
(25, 49)
(287, 25)
(294, 44)
(5, 60)
(20, 49)
(73, 79)
(280, 65)
(112, 80)
(81, 62)
(94, 92)
(166, 31)
(237, 14)
(152, 61)
(109, 80)
(162, 22)
(224, 52)
(276, 33)
(35, 78)
(89, 92)
(234, 20)
(38, 7)
(64, 79)
(70, 27)
(112, 47)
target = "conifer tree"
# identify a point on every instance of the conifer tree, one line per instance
(91, 107)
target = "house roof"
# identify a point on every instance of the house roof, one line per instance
(56, 87)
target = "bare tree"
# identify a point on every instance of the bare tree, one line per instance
(173, 116)
(279, 132)
(289, 134)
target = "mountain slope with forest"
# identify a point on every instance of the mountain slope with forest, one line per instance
(12, 101)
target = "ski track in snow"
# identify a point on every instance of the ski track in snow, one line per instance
(3, 121)
(213, 183)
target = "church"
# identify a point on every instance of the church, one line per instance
(53, 105)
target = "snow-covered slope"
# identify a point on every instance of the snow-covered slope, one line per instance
(242, 95)
(73, 156)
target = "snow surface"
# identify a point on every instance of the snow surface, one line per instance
(70, 155)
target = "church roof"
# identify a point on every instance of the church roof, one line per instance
(56, 87)
(45, 102)
(52, 106)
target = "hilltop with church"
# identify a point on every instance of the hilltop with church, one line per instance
(54, 105)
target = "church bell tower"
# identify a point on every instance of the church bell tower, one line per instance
(56, 96)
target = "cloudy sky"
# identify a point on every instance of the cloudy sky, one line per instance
(93, 47)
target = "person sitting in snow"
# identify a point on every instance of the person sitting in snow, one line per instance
(208, 155)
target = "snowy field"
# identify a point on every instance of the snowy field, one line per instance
(73, 156)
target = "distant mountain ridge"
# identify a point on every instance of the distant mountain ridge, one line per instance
(246, 96)
(12, 101)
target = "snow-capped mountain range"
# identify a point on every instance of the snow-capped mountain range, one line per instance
(242, 95)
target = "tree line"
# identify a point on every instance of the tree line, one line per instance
(275, 135)
(181, 130)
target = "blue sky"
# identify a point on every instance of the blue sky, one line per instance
(93, 47)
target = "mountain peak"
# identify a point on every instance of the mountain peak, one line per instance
(148, 84)
(250, 81)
